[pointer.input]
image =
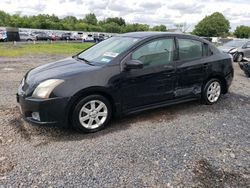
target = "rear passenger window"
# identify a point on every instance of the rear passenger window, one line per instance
(189, 49)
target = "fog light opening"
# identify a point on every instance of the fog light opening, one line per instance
(36, 116)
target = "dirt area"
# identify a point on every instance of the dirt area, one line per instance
(186, 145)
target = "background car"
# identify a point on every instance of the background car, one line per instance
(42, 36)
(9, 34)
(99, 37)
(26, 36)
(54, 36)
(67, 36)
(238, 48)
(3, 36)
(88, 38)
(77, 35)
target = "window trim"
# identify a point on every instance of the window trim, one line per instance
(210, 52)
(190, 59)
(129, 55)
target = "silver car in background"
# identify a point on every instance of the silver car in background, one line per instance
(238, 48)
(26, 36)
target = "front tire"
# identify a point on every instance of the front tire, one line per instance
(212, 91)
(239, 57)
(91, 114)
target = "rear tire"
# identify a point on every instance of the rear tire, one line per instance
(211, 91)
(91, 114)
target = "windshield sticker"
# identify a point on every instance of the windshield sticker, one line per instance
(110, 54)
(105, 60)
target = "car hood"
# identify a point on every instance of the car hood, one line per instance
(226, 49)
(62, 69)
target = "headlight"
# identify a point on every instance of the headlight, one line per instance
(233, 50)
(44, 89)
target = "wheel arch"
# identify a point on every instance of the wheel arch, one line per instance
(86, 92)
(221, 79)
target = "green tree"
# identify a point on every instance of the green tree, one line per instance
(117, 20)
(4, 18)
(214, 25)
(135, 27)
(242, 32)
(81, 26)
(90, 19)
(111, 27)
(70, 19)
(159, 28)
(69, 22)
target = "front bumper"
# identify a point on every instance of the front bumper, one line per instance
(52, 111)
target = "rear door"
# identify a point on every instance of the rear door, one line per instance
(155, 81)
(191, 67)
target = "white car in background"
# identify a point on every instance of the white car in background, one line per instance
(24, 36)
(3, 36)
(88, 38)
(77, 35)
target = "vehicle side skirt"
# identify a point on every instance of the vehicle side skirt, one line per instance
(159, 105)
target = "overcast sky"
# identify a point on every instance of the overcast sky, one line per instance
(151, 12)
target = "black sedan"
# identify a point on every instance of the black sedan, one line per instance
(122, 75)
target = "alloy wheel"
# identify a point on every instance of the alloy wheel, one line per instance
(240, 58)
(93, 114)
(213, 91)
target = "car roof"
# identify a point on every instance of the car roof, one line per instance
(152, 34)
(246, 40)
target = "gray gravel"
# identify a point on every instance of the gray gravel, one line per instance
(186, 145)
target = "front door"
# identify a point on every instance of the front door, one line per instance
(153, 83)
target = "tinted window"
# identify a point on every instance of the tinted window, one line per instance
(189, 49)
(155, 53)
(107, 50)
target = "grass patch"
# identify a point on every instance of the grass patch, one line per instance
(9, 50)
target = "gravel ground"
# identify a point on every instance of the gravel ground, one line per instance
(186, 145)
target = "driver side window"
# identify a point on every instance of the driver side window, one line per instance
(158, 52)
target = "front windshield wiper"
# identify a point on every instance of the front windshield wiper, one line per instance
(85, 60)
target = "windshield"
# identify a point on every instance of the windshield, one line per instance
(235, 43)
(107, 50)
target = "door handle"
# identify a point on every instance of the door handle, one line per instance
(205, 65)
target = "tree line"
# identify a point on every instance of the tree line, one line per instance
(214, 25)
(88, 23)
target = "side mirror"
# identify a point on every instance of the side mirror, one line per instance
(133, 64)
